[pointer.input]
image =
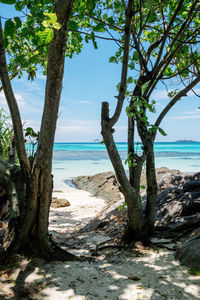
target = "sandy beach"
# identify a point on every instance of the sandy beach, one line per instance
(113, 273)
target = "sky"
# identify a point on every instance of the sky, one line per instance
(89, 79)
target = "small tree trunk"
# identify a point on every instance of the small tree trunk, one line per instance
(135, 209)
(151, 188)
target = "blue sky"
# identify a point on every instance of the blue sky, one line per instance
(90, 79)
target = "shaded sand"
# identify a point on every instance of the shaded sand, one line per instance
(112, 273)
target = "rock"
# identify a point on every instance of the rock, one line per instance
(108, 218)
(178, 196)
(189, 253)
(105, 185)
(56, 203)
(102, 185)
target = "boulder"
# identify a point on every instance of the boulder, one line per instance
(56, 203)
(102, 185)
(178, 196)
(189, 253)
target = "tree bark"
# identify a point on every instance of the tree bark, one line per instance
(31, 195)
(151, 189)
(135, 209)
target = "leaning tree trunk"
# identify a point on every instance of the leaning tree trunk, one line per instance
(135, 209)
(31, 191)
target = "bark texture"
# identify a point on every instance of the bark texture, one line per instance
(30, 185)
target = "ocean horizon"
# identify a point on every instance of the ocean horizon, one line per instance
(73, 159)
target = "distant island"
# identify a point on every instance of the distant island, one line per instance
(185, 141)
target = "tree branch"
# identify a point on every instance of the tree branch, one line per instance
(55, 70)
(166, 34)
(181, 94)
(123, 82)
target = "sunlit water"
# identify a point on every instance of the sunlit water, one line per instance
(75, 159)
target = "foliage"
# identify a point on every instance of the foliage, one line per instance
(194, 272)
(6, 134)
(158, 44)
(27, 36)
(32, 142)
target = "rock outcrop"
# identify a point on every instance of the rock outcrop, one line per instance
(102, 185)
(178, 197)
(178, 201)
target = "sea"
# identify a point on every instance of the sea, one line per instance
(76, 159)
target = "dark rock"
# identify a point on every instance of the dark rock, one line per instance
(189, 253)
(178, 196)
(102, 185)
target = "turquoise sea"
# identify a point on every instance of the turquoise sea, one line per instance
(75, 159)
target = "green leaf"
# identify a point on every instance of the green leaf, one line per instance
(73, 25)
(18, 22)
(129, 80)
(122, 206)
(95, 44)
(105, 17)
(46, 23)
(194, 272)
(143, 187)
(135, 55)
(112, 59)
(162, 131)
(9, 28)
(51, 16)
(57, 25)
(46, 35)
(19, 5)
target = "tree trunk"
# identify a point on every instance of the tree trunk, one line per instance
(151, 188)
(30, 191)
(135, 209)
(22, 237)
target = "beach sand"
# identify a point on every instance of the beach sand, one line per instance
(125, 274)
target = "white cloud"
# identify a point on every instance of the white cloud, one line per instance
(186, 117)
(41, 76)
(75, 126)
(193, 112)
(85, 102)
(160, 95)
(163, 94)
(19, 98)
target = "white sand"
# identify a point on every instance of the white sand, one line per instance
(109, 275)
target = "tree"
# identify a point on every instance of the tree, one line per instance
(51, 31)
(160, 40)
(29, 186)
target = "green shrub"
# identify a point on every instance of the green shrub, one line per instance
(6, 134)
